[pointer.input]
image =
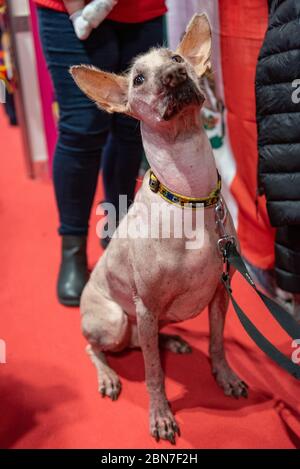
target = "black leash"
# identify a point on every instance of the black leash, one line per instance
(287, 322)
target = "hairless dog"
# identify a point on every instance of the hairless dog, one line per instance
(140, 284)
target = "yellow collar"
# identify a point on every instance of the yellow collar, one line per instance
(181, 200)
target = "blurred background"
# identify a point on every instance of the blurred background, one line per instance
(238, 29)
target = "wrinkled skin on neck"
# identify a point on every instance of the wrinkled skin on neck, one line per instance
(189, 172)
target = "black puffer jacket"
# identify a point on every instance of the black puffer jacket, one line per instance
(278, 120)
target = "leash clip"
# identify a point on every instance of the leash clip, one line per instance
(225, 240)
(223, 245)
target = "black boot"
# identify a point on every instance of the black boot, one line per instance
(73, 273)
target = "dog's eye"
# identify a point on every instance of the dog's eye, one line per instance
(177, 58)
(139, 80)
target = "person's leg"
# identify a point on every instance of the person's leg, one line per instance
(287, 258)
(82, 134)
(82, 126)
(121, 160)
(287, 267)
(123, 152)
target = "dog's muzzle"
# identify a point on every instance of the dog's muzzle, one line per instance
(180, 97)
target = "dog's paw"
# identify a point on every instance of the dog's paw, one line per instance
(232, 385)
(109, 384)
(174, 343)
(162, 423)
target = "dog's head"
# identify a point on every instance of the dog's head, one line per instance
(160, 85)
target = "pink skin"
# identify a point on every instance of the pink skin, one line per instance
(137, 286)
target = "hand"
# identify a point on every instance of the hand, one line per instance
(97, 10)
(81, 26)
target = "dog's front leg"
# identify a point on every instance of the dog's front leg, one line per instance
(225, 376)
(162, 422)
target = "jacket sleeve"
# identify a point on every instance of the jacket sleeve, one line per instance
(278, 113)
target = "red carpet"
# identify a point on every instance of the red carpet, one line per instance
(48, 389)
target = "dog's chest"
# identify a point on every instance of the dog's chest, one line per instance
(179, 282)
(188, 287)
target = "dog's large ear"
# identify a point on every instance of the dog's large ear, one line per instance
(108, 90)
(195, 45)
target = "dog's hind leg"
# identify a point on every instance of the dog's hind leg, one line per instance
(174, 343)
(105, 325)
(225, 377)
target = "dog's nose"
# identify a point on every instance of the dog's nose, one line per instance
(174, 76)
